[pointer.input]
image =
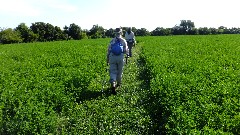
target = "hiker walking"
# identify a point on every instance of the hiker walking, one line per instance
(130, 38)
(115, 58)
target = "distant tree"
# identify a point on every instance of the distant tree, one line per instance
(226, 31)
(168, 31)
(178, 30)
(96, 32)
(187, 24)
(157, 31)
(2, 29)
(124, 29)
(134, 30)
(160, 31)
(39, 29)
(58, 34)
(74, 31)
(49, 32)
(221, 29)
(9, 36)
(84, 34)
(235, 30)
(193, 31)
(213, 31)
(27, 34)
(184, 27)
(66, 32)
(142, 32)
(109, 33)
(204, 31)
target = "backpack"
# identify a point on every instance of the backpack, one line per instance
(117, 47)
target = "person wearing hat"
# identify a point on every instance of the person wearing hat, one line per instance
(115, 58)
(130, 37)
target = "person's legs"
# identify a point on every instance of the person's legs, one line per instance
(113, 70)
(120, 71)
(130, 49)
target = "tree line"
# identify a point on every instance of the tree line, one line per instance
(42, 32)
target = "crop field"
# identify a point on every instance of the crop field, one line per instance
(171, 85)
(194, 83)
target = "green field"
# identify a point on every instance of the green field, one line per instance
(172, 85)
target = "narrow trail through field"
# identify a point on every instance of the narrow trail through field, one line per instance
(130, 96)
(131, 93)
(123, 113)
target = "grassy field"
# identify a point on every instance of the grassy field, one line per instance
(194, 83)
(172, 85)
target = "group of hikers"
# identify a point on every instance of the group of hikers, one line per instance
(117, 48)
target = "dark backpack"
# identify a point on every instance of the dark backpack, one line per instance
(117, 47)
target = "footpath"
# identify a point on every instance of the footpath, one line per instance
(124, 113)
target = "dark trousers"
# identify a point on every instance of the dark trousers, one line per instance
(130, 45)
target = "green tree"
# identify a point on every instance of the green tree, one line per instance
(65, 32)
(160, 31)
(58, 34)
(235, 30)
(39, 29)
(213, 31)
(187, 24)
(109, 33)
(204, 31)
(134, 30)
(49, 32)
(9, 36)
(84, 34)
(178, 30)
(27, 34)
(221, 29)
(96, 32)
(74, 31)
(193, 31)
(142, 32)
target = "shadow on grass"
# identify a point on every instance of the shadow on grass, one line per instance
(77, 89)
(87, 95)
(151, 102)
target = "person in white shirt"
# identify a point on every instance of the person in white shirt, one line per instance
(115, 58)
(130, 38)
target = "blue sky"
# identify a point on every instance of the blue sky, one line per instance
(147, 14)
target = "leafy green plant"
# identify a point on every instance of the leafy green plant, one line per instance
(172, 85)
(192, 79)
